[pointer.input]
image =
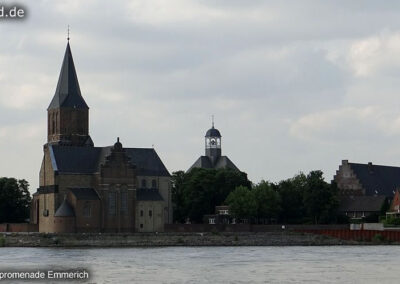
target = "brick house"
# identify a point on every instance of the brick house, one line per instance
(364, 188)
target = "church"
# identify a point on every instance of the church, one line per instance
(83, 188)
(213, 158)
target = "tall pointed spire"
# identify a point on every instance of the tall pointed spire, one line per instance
(68, 113)
(68, 93)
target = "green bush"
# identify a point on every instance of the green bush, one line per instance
(392, 221)
(378, 238)
(2, 241)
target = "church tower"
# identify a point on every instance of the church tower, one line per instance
(213, 144)
(213, 158)
(68, 113)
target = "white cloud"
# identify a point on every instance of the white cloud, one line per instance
(294, 86)
(375, 55)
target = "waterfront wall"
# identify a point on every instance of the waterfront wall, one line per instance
(359, 235)
(190, 228)
(193, 228)
(168, 239)
(18, 227)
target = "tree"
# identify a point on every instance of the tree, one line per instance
(242, 203)
(178, 195)
(196, 193)
(267, 201)
(319, 198)
(291, 195)
(15, 200)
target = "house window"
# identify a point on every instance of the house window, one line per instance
(111, 204)
(141, 213)
(150, 213)
(153, 184)
(144, 184)
(211, 221)
(124, 202)
(87, 209)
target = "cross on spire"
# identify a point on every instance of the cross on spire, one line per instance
(68, 33)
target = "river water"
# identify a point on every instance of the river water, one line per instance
(329, 264)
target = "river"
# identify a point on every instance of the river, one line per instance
(313, 264)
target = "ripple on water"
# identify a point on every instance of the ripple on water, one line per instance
(348, 264)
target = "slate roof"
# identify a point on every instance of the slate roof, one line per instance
(68, 93)
(65, 210)
(361, 203)
(213, 132)
(147, 194)
(87, 160)
(85, 193)
(383, 179)
(205, 163)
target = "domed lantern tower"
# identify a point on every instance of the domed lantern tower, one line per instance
(213, 143)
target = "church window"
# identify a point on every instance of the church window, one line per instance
(141, 226)
(124, 202)
(144, 184)
(153, 184)
(87, 209)
(150, 213)
(141, 213)
(56, 122)
(111, 204)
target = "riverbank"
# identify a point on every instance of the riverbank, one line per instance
(284, 238)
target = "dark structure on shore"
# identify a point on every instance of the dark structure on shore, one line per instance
(213, 158)
(365, 188)
(95, 189)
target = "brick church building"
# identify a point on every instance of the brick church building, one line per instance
(84, 188)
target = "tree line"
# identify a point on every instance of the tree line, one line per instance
(301, 199)
(15, 200)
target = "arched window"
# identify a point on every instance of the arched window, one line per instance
(124, 202)
(87, 209)
(111, 204)
(57, 122)
(54, 124)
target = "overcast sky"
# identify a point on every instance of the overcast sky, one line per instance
(294, 85)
